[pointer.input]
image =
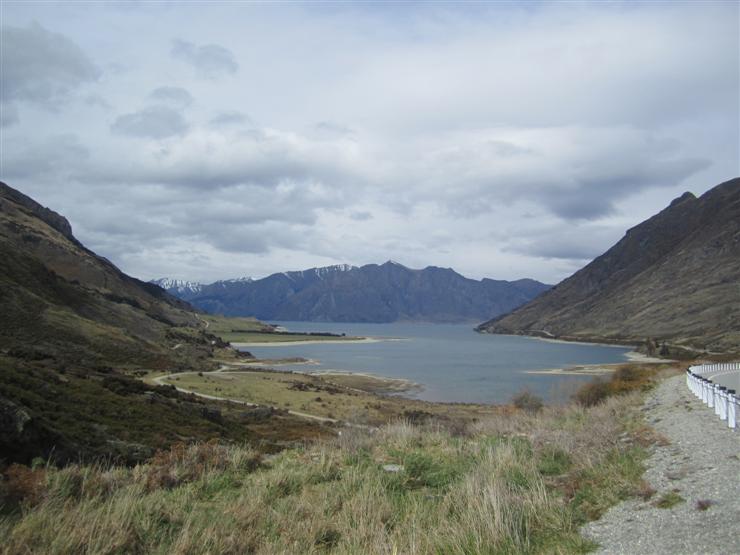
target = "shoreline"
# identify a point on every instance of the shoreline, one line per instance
(599, 369)
(577, 342)
(385, 383)
(306, 342)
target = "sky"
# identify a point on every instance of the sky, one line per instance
(207, 141)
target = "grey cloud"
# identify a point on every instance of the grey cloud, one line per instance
(225, 119)
(8, 115)
(259, 238)
(58, 157)
(332, 128)
(174, 95)
(574, 243)
(218, 219)
(595, 195)
(361, 216)
(215, 160)
(574, 173)
(42, 67)
(97, 100)
(209, 60)
(155, 122)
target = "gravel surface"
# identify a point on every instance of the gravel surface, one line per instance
(701, 464)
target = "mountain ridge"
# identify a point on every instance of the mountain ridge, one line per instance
(385, 292)
(669, 279)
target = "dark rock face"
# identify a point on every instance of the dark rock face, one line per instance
(51, 218)
(374, 293)
(672, 278)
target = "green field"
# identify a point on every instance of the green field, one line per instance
(251, 330)
(335, 396)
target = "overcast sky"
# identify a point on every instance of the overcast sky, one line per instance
(213, 140)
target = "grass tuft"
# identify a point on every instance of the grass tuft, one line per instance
(668, 500)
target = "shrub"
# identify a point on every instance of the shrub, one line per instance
(626, 378)
(22, 485)
(187, 463)
(592, 393)
(527, 401)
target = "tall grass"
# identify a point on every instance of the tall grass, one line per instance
(522, 483)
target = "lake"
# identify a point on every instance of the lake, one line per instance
(452, 362)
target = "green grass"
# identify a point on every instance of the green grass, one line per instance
(257, 337)
(668, 500)
(499, 486)
(326, 396)
(251, 330)
(82, 415)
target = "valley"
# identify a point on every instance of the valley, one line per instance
(138, 399)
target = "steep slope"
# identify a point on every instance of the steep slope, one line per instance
(372, 293)
(61, 300)
(74, 333)
(674, 278)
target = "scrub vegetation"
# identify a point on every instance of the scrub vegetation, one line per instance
(522, 481)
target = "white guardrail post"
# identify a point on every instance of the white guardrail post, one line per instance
(722, 400)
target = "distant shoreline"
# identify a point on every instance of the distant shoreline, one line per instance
(598, 369)
(309, 342)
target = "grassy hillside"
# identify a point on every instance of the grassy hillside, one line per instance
(76, 333)
(521, 482)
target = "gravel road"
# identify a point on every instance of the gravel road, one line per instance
(701, 464)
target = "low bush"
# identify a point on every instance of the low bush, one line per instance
(527, 401)
(22, 485)
(186, 463)
(625, 379)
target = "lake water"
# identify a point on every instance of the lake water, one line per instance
(452, 362)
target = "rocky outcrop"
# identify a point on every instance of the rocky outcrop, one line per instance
(51, 218)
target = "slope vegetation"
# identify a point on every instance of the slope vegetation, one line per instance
(673, 278)
(76, 332)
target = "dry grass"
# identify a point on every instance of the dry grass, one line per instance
(521, 483)
(328, 396)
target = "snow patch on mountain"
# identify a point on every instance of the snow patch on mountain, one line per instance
(177, 285)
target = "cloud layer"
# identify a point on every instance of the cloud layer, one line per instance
(502, 140)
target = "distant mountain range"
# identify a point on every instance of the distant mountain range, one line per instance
(186, 289)
(387, 292)
(674, 278)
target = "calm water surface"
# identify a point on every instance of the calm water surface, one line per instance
(451, 361)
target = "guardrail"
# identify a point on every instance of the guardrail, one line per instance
(724, 401)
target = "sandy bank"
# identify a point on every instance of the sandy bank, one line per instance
(308, 342)
(599, 369)
(585, 370)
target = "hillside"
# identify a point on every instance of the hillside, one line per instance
(673, 278)
(76, 333)
(62, 301)
(373, 293)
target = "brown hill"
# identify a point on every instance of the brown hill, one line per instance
(674, 279)
(75, 332)
(61, 300)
